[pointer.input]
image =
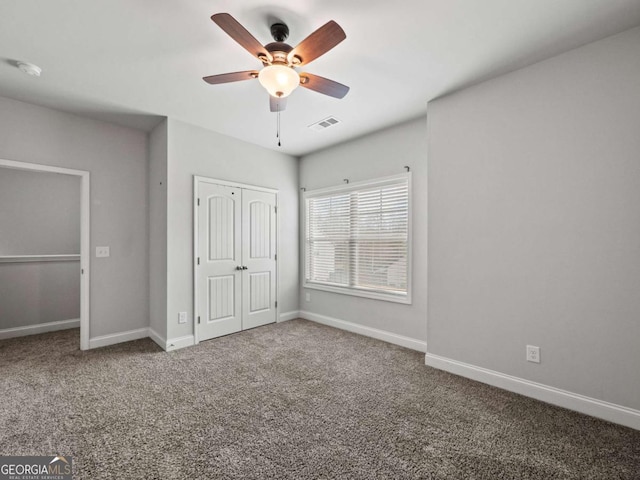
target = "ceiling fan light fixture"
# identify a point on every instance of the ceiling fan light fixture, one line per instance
(279, 80)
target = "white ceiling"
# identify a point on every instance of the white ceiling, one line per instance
(130, 61)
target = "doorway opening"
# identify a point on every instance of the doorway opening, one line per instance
(52, 257)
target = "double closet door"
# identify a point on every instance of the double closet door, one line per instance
(236, 264)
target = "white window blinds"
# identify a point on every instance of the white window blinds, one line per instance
(357, 239)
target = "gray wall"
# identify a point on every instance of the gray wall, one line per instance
(534, 221)
(117, 159)
(158, 229)
(381, 154)
(40, 215)
(39, 292)
(196, 151)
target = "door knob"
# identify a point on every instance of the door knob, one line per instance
(238, 267)
(244, 267)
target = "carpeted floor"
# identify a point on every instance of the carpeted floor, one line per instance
(294, 400)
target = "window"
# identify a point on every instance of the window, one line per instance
(357, 239)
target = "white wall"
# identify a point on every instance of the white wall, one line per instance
(158, 229)
(534, 222)
(117, 159)
(196, 151)
(378, 155)
(40, 215)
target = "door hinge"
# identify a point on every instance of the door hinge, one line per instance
(276, 304)
(198, 260)
(198, 202)
(275, 257)
(275, 209)
(198, 319)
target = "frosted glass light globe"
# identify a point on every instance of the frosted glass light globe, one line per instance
(279, 80)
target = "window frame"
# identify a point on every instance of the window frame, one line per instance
(352, 290)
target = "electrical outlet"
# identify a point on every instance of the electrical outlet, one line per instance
(307, 296)
(533, 354)
(182, 317)
(102, 252)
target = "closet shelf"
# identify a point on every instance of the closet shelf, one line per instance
(38, 258)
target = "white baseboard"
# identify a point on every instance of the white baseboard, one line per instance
(289, 316)
(628, 417)
(39, 328)
(383, 335)
(179, 342)
(104, 340)
(155, 336)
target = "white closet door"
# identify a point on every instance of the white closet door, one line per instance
(220, 255)
(259, 256)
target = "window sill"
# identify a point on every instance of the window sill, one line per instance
(356, 292)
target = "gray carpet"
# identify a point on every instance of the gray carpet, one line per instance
(294, 400)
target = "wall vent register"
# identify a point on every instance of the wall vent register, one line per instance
(324, 124)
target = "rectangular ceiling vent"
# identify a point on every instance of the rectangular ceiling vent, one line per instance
(324, 124)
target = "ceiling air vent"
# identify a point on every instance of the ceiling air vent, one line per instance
(324, 124)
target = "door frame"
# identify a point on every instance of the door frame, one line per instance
(85, 236)
(196, 180)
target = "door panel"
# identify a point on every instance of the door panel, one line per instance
(219, 245)
(260, 291)
(260, 226)
(222, 294)
(259, 254)
(221, 238)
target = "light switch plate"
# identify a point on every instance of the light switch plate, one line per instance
(102, 252)
(182, 317)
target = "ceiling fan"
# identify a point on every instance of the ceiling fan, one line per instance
(278, 75)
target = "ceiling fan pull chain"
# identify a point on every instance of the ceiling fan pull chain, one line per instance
(278, 122)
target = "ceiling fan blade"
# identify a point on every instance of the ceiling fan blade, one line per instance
(318, 43)
(277, 104)
(231, 77)
(241, 35)
(323, 85)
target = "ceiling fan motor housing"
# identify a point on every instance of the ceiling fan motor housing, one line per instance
(279, 32)
(278, 51)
